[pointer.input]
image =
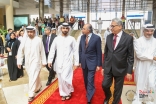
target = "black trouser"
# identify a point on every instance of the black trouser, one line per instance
(51, 71)
(118, 84)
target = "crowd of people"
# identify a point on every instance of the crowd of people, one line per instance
(123, 53)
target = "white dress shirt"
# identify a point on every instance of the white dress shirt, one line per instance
(118, 38)
(48, 41)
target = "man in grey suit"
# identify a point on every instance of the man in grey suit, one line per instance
(118, 60)
(47, 42)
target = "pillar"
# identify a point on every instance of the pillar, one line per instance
(9, 15)
(123, 14)
(88, 11)
(41, 8)
(154, 13)
(61, 8)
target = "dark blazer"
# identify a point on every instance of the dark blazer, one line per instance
(92, 55)
(44, 39)
(121, 59)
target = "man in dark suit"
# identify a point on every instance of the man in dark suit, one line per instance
(47, 42)
(90, 58)
(118, 60)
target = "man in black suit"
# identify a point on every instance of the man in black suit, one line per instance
(118, 60)
(47, 42)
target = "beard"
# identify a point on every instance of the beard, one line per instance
(65, 33)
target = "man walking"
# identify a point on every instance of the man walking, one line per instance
(66, 48)
(90, 58)
(47, 41)
(33, 49)
(118, 60)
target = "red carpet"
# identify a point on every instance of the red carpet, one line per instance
(79, 95)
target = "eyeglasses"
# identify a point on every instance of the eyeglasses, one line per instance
(112, 26)
(65, 28)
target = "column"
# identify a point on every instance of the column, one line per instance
(61, 8)
(123, 14)
(154, 13)
(9, 15)
(41, 8)
(88, 11)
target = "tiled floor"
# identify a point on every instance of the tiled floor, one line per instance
(16, 91)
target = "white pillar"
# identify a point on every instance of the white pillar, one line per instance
(9, 15)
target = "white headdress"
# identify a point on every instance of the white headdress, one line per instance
(64, 25)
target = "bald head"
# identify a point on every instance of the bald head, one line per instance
(87, 29)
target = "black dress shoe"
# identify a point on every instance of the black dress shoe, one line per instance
(105, 102)
(89, 103)
(48, 83)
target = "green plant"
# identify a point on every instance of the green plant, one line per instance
(3, 31)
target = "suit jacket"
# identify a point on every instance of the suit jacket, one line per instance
(121, 59)
(44, 39)
(92, 55)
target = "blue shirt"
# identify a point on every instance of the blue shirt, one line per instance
(7, 37)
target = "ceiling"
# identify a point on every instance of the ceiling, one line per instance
(95, 5)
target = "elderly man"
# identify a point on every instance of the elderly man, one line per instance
(47, 42)
(66, 48)
(145, 72)
(118, 60)
(90, 56)
(33, 49)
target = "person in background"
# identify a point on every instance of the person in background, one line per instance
(36, 30)
(99, 22)
(11, 48)
(107, 32)
(1, 46)
(72, 21)
(43, 27)
(8, 35)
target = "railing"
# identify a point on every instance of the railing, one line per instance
(133, 29)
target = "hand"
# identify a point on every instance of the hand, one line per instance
(154, 58)
(8, 49)
(75, 67)
(19, 66)
(1, 55)
(80, 65)
(102, 71)
(49, 65)
(15, 57)
(43, 65)
(97, 68)
(129, 76)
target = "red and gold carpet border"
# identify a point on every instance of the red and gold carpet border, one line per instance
(46, 93)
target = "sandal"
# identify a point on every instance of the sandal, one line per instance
(63, 98)
(30, 99)
(68, 97)
(38, 90)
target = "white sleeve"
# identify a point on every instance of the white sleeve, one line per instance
(75, 51)
(20, 53)
(52, 51)
(43, 56)
(142, 55)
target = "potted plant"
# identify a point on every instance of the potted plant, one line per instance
(3, 32)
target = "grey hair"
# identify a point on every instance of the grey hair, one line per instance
(48, 28)
(90, 28)
(118, 21)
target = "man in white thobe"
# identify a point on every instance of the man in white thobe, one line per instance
(107, 32)
(66, 48)
(99, 22)
(145, 72)
(33, 49)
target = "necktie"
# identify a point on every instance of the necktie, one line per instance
(47, 44)
(87, 41)
(114, 40)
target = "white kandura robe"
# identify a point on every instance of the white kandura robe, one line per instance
(99, 22)
(145, 71)
(66, 48)
(34, 53)
(106, 34)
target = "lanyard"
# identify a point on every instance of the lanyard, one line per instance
(11, 45)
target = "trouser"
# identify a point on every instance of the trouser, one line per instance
(106, 84)
(88, 76)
